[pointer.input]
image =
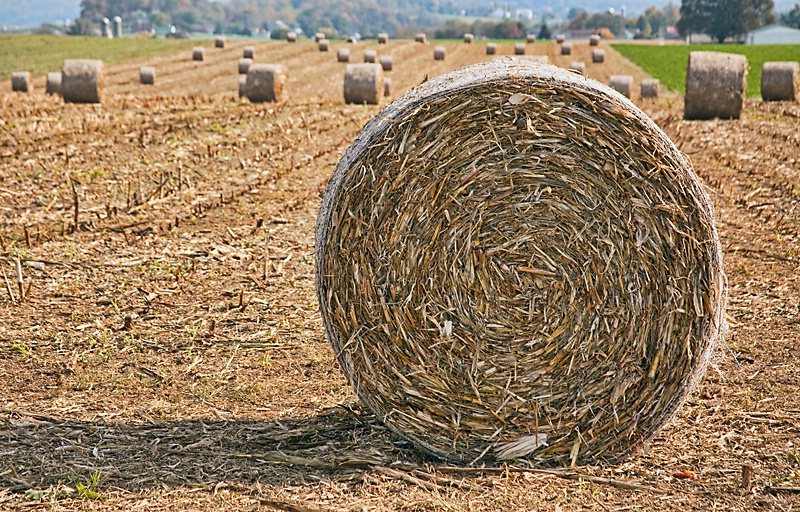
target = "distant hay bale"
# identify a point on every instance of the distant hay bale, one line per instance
(83, 81)
(198, 53)
(242, 86)
(343, 55)
(387, 62)
(649, 88)
(530, 38)
(244, 66)
(623, 84)
(715, 85)
(370, 56)
(491, 48)
(363, 83)
(249, 52)
(421, 38)
(560, 38)
(147, 75)
(530, 294)
(219, 42)
(21, 81)
(598, 56)
(438, 53)
(578, 67)
(323, 45)
(53, 85)
(469, 38)
(383, 38)
(780, 81)
(594, 40)
(319, 36)
(387, 86)
(566, 48)
(267, 83)
(519, 49)
(291, 37)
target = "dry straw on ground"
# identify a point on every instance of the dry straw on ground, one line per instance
(623, 84)
(267, 82)
(513, 261)
(715, 85)
(53, 85)
(438, 53)
(469, 38)
(649, 88)
(21, 82)
(83, 81)
(780, 81)
(147, 75)
(363, 83)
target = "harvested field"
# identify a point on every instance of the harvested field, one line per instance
(170, 354)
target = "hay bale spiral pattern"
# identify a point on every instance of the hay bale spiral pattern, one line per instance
(549, 287)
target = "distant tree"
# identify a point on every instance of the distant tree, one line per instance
(82, 27)
(579, 21)
(452, 29)
(672, 13)
(160, 19)
(792, 18)
(643, 28)
(544, 32)
(576, 12)
(722, 19)
(616, 24)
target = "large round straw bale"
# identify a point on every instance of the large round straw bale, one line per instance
(363, 83)
(21, 81)
(715, 85)
(219, 42)
(438, 53)
(370, 56)
(244, 66)
(560, 38)
(53, 85)
(594, 40)
(387, 62)
(649, 88)
(383, 38)
(598, 56)
(566, 48)
(83, 81)
(491, 48)
(343, 55)
(319, 36)
(623, 84)
(147, 75)
(198, 53)
(387, 86)
(780, 81)
(519, 49)
(469, 38)
(242, 86)
(267, 82)
(323, 45)
(249, 52)
(531, 294)
(530, 38)
(578, 67)
(421, 38)
(291, 37)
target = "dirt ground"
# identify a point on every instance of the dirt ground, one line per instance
(170, 355)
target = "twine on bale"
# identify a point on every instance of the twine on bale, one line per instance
(780, 81)
(513, 261)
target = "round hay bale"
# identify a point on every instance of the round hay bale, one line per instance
(780, 81)
(387, 86)
(53, 85)
(530, 38)
(533, 294)
(219, 42)
(147, 75)
(383, 38)
(519, 49)
(267, 82)
(438, 53)
(594, 40)
(21, 81)
(244, 66)
(83, 81)
(469, 38)
(387, 62)
(291, 37)
(566, 48)
(623, 84)
(351, 39)
(491, 48)
(323, 45)
(319, 36)
(198, 53)
(598, 56)
(343, 55)
(560, 38)
(649, 88)
(578, 67)
(370, 56)
(421, 38)
(249, 52)
(242, 86)
(715, 85)
(363, 83)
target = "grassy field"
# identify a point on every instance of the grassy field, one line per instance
(40, 54)
(668, 63)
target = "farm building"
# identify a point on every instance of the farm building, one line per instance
(774, 34)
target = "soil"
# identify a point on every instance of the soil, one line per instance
(169, 353)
